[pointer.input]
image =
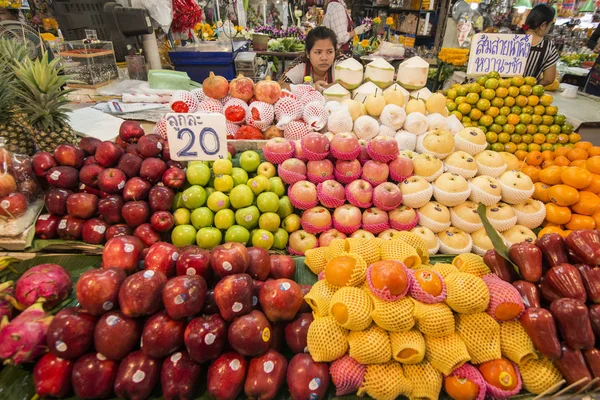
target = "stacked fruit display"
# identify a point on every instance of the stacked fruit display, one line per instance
(514, 112)
(222, 203)
(393, 325)
(101, 189)
(555, 288)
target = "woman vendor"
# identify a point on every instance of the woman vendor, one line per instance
(543, 56)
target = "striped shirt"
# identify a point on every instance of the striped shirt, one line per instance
(541, 57)
(336, 19)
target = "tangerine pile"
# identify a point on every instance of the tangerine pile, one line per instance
(567, 180)
(515, 113)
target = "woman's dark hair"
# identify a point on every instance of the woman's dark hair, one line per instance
(540, 14)
(319, 33)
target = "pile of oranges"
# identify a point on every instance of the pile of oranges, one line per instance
(567, 180)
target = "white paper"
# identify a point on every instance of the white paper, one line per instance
(94, 123)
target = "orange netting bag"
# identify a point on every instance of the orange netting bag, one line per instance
(414, 241)
(315, 259)
(408, 347)
(335, 248)
(326, 340)
(393, 316)
(471, 264)
(400, 251)
(358, 274)
(466, 293)
(351, 307)
(505, 301)
(446, 353)
(385, 382)
(515, 343)
(319, 297)
(368, 249)
(347, 375)
(481, 334)
(539, 375)
(435, 320)
(426, 381)
(371, 346)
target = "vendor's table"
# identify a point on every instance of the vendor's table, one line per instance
(583, 113)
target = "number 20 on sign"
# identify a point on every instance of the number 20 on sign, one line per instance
(197, 137)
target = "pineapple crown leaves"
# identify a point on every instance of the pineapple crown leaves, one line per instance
(10, 51)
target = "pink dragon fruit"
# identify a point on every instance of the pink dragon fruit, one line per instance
(24, 338)
(49, 283)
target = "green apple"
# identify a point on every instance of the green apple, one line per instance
(247, 217)
(183, 235)
(237, 234)
(211, 182)
(280, 239)
(209, 190)
(223, 183)
(217, 201)
(291, 223)
(263, 238)
(177, 201)
(202, 217)
(224, 219)
(285, 207)
(240, 177)
(182, 216)
(207, 238)
(267, 202)
(269, 221)
(241, 196)
(259, 184)
(249, 161)
(222, 167)
(197, 173)
(194, 197)
(266, 169)
(277, 186)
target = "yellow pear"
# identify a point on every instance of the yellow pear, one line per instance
(353, 108)
(363, 108)
(375, 105)
(394, 97)
(436, 103)
(415, 105)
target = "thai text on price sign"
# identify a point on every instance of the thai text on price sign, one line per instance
(199, 137)
(503, 53)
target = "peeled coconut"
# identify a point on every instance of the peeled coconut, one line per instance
(386, 131)
(416, 123)
(454, 125)
(436, 121)
(361, 93)
(415, 106)
(375, 105)
(406, 140)
(336, 92)
(339, 121)
(412, 73)
(422, 94)
(393, 116)
(349, 73)
(397, 95)
(380, 72)
(436, 103)
(353, 108)
(366, 127)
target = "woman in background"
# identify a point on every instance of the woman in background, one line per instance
(338, 20)
(543, 56)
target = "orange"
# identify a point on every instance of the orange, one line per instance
(592, 164)
(579, 222)
(547, 163)
(532, 172)
(574, 138)
(584, 145)
(561, 152)
(533, 100)
(548, 230)
(507, 311)
(578, 163)
(338, 270)
(521, 154)
(534, 158)
(596, 217)
(588, 203)
(561, 160)
(563, 195)
(548, 155)
(541, 192)
(391, 275)
(577, 154)
(499, 373)
(461, 388)
(594, 187)
(576, 177)
(594, 151)
(551, 175)
(429, 282)
(557, 215)
(513, 119)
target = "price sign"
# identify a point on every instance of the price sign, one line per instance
(197, 137)
(503, 53)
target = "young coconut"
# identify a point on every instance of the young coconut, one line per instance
(412, 73)
(336, 92)
(380, 72)
(361, 93)
(349, 73)
(422, 94)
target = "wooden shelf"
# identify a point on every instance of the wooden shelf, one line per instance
(401, 10)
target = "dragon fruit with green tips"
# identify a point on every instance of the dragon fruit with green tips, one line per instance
(48, 283)
(24, 338)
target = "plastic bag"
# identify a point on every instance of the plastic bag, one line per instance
(160, 10)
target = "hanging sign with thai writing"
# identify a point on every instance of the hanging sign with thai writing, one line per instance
(498, 52)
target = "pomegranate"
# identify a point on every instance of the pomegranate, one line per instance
(242, 88)
(215, 87)
(268, 91)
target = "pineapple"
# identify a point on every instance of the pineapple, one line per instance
(39, 95)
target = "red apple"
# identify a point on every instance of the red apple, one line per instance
(348, 168)
(69, 228)
(136, 189)
(180, 376)
(132, 149)
(279, 146)
(56, 201)
(205, 337)
(174, 178)
(300, 241)
(259, 265)
(88, 175)
(42, 162)
(294, 165)
(94, 376)
(69, 155)
(130, 164)
(52, 376)
(118, 230)
(282, 266)
(402, 167)
(296, 333)
(229, 259)
(161, 256)
(280, 299)
(137, 377)
(63, 177)
(194, 261)
(82, 205)
(266, 375)
(112, 180)
(98, 289)
(384, 145)
(131, 131)
(225, 379)
(307, 379)
(332, 189)
(135, 213)
(152, 169)
(316, 218)
(89, 160)
(141, 293)
(166, 152)
(89, 145)
(347, 216)
(150, 145)
(315, 142)
(250, 334)
(121, 143)
(108, 154)
(184, 296)
(162, 221)
(46, 226)
(233, 295)
(374, 216)
(162, 335)
(147, 235)
(116, 325)
(304, 191)
(123, 252)
(387, 196)
(110, 208)
(345, 143)
(94, 231)
(161, 198)
(375, 172)
(320, 169)
(71, 333)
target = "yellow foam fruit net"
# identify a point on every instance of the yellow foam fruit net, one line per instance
(401, 251)
(539, 375)
(426, 381)
(368, 249)
(379, 242)
(466, 293)
(444, 269)
(315, 259)
(446, 353)
(408, 347)
(435, 320)
(358, 273)
(326, 340)
(351, 307)
(319, 297)
(385, 382)
(335, 248)
(481, 334)
(471, 264)
(414, 241)
(515, 343)
(393, 316)
(371, 346)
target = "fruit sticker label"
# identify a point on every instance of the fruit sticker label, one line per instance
(498, 52)
(197, 137)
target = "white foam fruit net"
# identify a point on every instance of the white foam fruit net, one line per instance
(315, 115)
(260, 115)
